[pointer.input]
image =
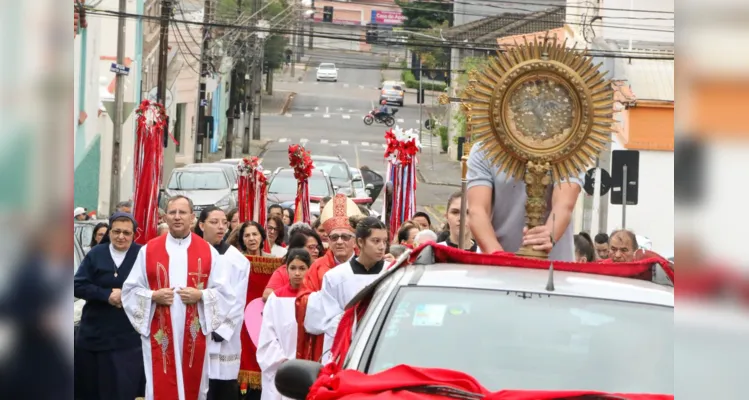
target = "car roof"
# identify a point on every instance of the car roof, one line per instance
(535, 280)
(216, 164)
(204, 167)
(286, 171)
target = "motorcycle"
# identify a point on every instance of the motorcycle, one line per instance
(387, 119)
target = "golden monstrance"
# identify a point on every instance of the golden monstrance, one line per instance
(542, 112)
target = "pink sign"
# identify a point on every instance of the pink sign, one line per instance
(253, 318)
(388, 17)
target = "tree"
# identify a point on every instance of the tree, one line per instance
(468, 65)
(428, 18)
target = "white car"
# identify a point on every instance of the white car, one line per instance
(327, 72)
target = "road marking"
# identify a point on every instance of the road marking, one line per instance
(317, 108)
(346, 116)
(326, 116)
(288, 115)
(356, 152)
(283, 140)
(345, 85)
(303, 141)
(317, 83)
(418, 121)
(365, 143)
(344, 141)
(307, 115)
(324, 141)
(400, 120)
(372, 103)
(361, 86)
(384, 146)
(327, 110)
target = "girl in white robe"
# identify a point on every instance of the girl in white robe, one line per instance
(278, 331)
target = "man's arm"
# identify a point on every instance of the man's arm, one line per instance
(479, 198)
(137, 296)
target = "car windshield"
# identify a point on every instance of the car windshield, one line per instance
(198, 180)
(327, 66)
(512, 340)
(336, 170)
(390, 86)
(286, 184)
(358, 184)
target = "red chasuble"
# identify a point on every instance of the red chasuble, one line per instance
(309, 347)
(193, 346)
(261, 269)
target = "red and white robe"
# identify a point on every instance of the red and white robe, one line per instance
(174, 337)
(278, 336)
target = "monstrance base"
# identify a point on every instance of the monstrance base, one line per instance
(528, 252)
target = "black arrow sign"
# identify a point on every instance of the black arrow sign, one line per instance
(590, 180)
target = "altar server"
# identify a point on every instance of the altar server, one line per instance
(278, 332)
(224, 345)
(341, 284)
(173, 330)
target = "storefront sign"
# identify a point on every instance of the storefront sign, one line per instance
(387, 17)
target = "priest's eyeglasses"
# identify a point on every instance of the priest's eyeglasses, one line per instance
(344, 237)
(118, 232)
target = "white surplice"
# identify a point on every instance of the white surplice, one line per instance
(215, 304)
(277, 341)
(225, 356)
(325, 307)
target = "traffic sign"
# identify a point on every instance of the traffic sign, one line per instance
(590, 181)
(119, 69)
(154, 92)
(620, 159)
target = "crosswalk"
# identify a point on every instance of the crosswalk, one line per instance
(334, 115)
(427, 140)
(344, 85)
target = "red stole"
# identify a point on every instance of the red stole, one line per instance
(309, 347)
(261, 269)
(162, 346)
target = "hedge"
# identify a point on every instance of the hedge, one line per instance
(408, 77)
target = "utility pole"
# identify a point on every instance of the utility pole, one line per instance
(299, 34)
(257, 73)
(166, 14)
(230, 113)
(294, 44)
(204, 62)
(311, 28)
(119, 112)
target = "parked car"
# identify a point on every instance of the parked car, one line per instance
(393, 92)
(205, 185)
(82, 232)
(229, 169)
(282, 188)
(339, 172)
(327, 72)
(507, 328)
(370, 183)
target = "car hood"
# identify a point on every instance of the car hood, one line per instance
(278, 198)
(201, 197)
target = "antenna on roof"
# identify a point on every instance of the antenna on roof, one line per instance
(550, 282)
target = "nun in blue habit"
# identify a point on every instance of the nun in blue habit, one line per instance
(108, 356)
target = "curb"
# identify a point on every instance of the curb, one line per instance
(435, 216)
(264, 148)
(287, 103)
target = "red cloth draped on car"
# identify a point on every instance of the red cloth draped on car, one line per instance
(337, 384)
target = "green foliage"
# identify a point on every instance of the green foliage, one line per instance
(274, 50)
(425, 14)
(411, 82)
(444, 141)
(468, 65)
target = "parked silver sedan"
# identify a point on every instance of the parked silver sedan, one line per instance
(204, 185)
(507, 329)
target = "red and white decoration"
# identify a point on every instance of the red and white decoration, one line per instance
(400, 153)
(252, 185)
(149, 157)
(301, 162)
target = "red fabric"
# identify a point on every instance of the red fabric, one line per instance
(640, 269)
(279, 279)
(286, 291)
(389, 384)
(149, 156)
(261, 269)
(309, 347)
(162, 346)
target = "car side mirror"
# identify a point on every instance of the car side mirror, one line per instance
(379, 88)
(294, 378)
(335, 188)
(235, 187)
(266, 172)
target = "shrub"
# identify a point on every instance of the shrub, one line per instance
(442, 131)
(410, 80)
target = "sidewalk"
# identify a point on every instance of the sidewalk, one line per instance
(445, 172)
(277, 103)
(395, 75)
(257, 149)
(284, 74)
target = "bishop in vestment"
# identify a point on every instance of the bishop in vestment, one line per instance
(278, 332)
(335, 220)
(173, 330)
(340, 285)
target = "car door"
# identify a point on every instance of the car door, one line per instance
(371, 177)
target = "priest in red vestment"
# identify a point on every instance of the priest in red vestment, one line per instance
(178, 292)
(335, 221)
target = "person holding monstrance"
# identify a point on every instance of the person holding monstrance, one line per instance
(537, 119)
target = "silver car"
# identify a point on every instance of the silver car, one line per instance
(205, 185)
(502, 326)
(393, 92)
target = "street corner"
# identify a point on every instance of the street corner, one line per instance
(440, 175)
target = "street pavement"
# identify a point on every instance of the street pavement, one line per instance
(326, 118)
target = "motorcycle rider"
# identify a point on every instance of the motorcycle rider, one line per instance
(383, 111)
